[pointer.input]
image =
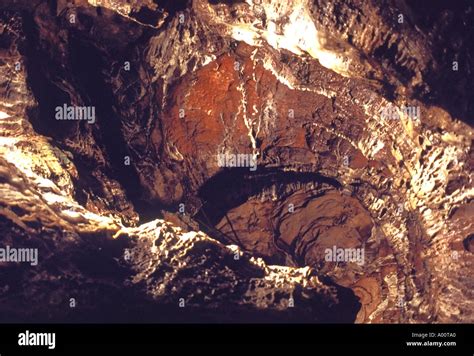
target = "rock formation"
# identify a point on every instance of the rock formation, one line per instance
(258, 160)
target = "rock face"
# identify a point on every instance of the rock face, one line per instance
(306, 161)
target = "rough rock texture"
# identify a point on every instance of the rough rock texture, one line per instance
(301, 87)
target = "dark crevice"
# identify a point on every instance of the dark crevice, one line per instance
(236, 185)
(89, 67)
(469, 243)
(450, 26)
(146, 16)
(45, 91)
(233, 187)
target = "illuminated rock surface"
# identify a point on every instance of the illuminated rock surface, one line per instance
(133, 215)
